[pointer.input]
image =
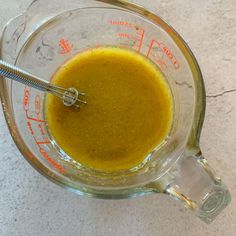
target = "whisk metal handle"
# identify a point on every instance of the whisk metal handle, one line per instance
(22, 76)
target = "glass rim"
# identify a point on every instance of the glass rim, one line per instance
(190, 58)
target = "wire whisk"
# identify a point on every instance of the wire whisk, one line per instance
(69, 97)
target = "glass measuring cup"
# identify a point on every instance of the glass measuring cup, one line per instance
(43, 38)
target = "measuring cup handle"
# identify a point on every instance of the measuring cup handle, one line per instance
(195, 184)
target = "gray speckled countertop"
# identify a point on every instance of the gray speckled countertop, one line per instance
(31, 205)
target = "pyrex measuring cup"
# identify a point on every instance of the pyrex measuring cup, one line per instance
(51, 32)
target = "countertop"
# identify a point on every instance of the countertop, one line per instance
(31, 205)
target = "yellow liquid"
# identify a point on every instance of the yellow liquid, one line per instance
(129, 110)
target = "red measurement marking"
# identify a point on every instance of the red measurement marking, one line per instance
(165, 50)
(51, 161)
(26, 97)
(156, 58)
(170, 55)
(150, 48)
(137, 35)
(41, 142)
(162, 63)
(34, 119)
(32, 133)
(37, 104)
(142, 33)
(65, 45)
(41, 129)
(30, 128)
(123, 35)
(122, 23)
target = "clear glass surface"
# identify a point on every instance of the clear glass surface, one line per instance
(47, 35)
